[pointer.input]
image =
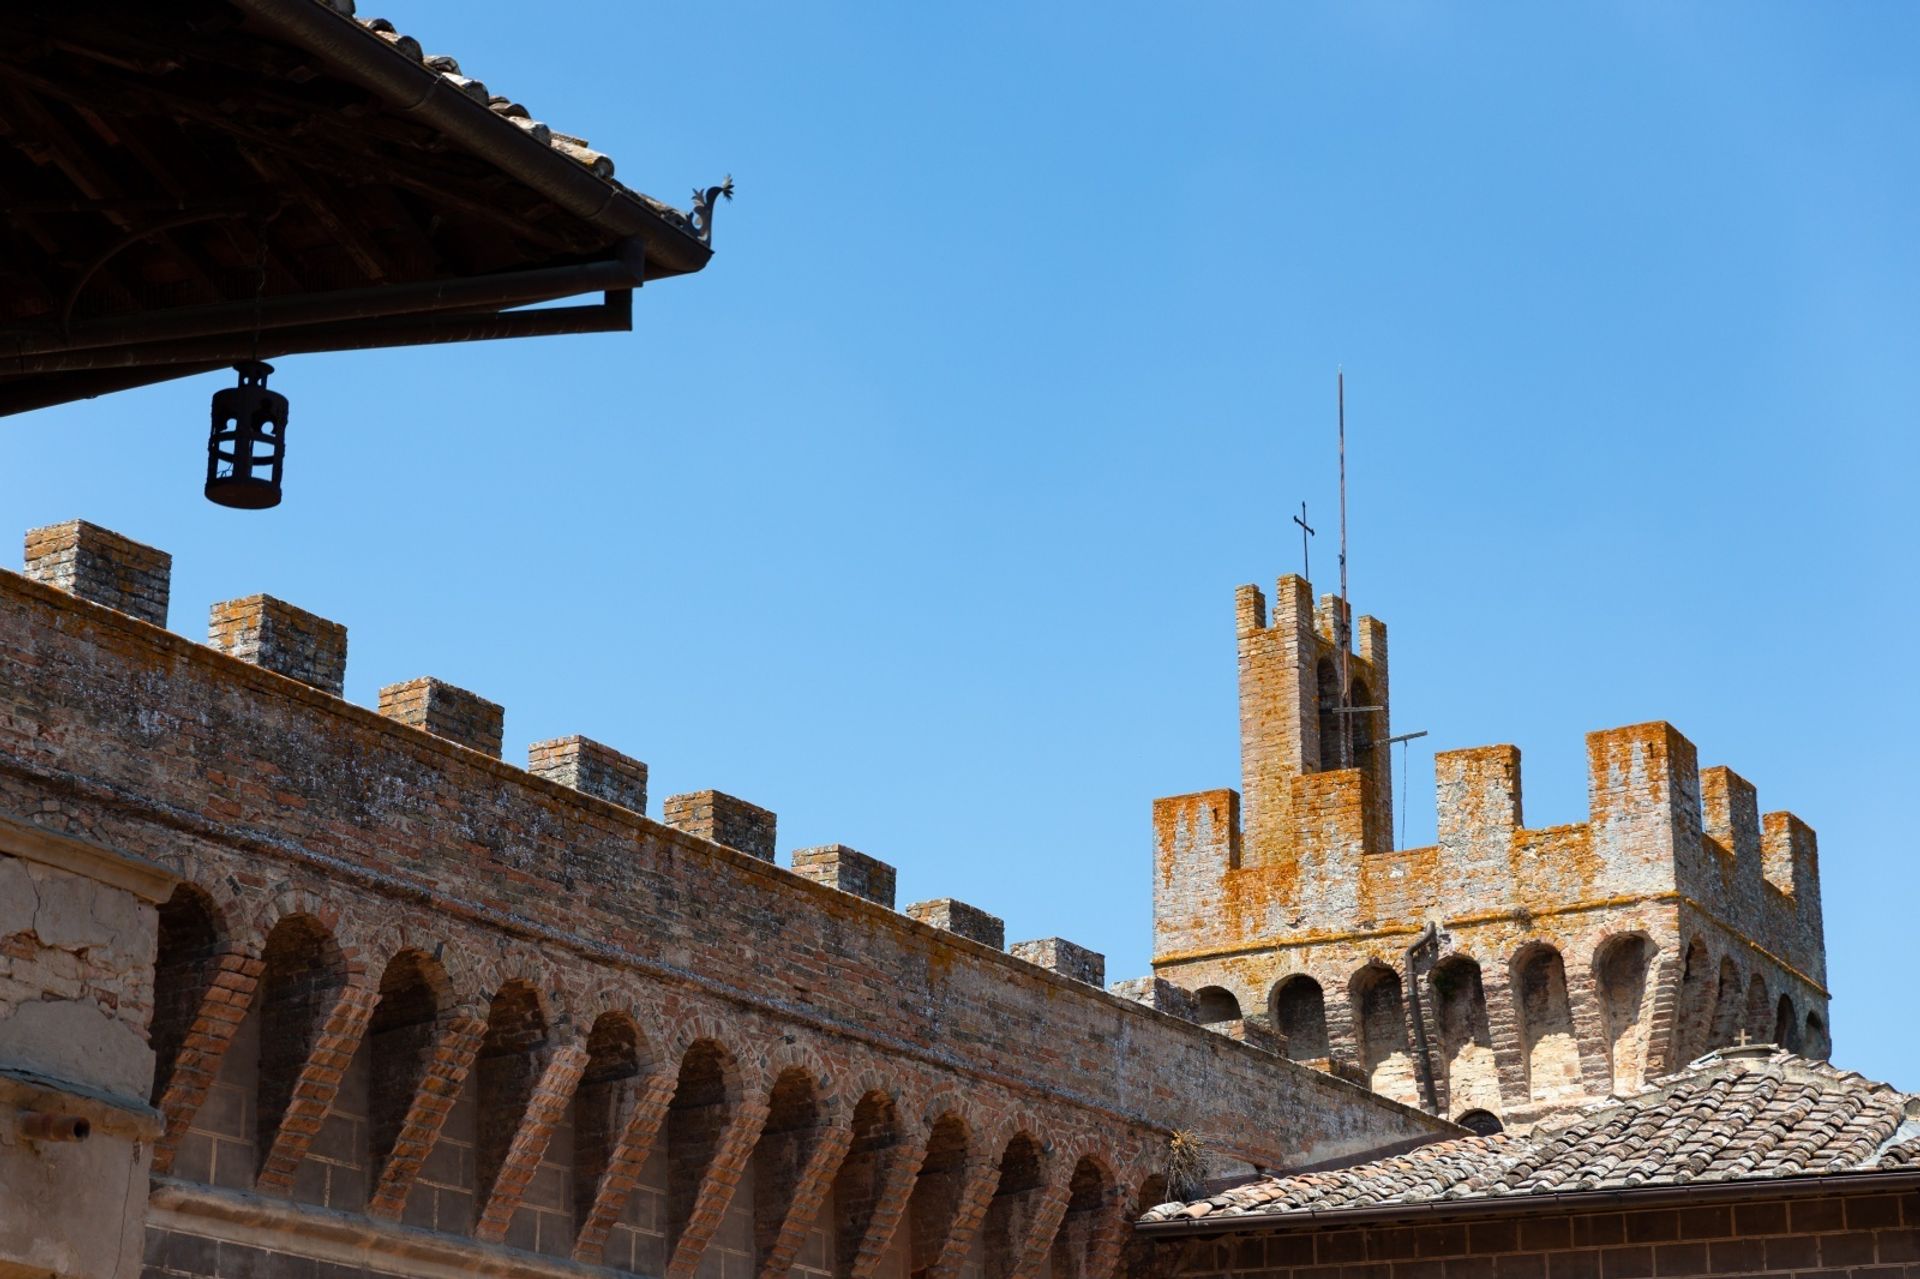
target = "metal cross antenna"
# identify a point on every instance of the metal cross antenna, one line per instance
(1403, 739)
(1306, 531)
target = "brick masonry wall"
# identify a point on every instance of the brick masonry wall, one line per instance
(281, 804)
(1833, 1234)
(1673, 861)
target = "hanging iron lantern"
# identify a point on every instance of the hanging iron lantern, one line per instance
(249, 438)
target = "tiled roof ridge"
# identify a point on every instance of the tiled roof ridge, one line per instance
(1749, 1113)
(448, 68)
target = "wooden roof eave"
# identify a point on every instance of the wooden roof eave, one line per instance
(417, 92)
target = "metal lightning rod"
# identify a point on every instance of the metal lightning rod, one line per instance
(1340, 628)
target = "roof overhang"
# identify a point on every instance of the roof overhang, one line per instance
(191, 184)
(1878, 1181)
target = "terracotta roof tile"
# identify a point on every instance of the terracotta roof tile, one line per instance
(1750, 1113)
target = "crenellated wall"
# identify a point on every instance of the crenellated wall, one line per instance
(1674, 876)
(420, 1011)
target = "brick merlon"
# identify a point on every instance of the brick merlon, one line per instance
(103, 567)
(957, 917)
(446, 711)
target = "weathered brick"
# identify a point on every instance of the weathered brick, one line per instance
(289, 641)
(724, 819)
(102, 566)
(958, 917)
(446, 711)
(848, 870)
(1059, 955)
(591, 768)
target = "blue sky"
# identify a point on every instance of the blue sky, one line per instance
(917, 516)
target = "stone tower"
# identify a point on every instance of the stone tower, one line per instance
(1504, 971)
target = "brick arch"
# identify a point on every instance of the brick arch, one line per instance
(516, 1041)
(291, 902)
(1693, 1014)
(192, 935)
(420, 1041)
(801, 1142)
(405, 930)
(742, 1076)
(310, 1011)
(201, 995)
(1377, 998)
(1625, 982)
(980, 1124)
(869, 1191)
(1757, 1019)
(1729, 994)
(1020, 1193)
(1818, 1045)
(1543, 1007)
(236, 906)
(1086, 1242)
(953, 1157)
(613, 996)
(804, 1057)
(708, 1130)
(868, 1077)
(1298, 1006)
(1468, 1077)
(1786, 1023)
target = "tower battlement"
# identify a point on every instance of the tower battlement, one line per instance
(1295, 877)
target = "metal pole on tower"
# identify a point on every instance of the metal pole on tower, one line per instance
(1340, 629)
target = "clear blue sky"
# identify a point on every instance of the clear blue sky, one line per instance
(917, 516)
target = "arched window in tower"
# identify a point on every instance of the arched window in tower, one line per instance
(1786, 1025)
(1818, 1046)
(1758, 1021)
(1546, 1025)
(1360, 730)
(1728, 992)
(1300, 1011)
(1620, 972)
(1216, 1004)
(1327, 689)
(1380, 1013)
(1469, 1080)
(1694, 1025)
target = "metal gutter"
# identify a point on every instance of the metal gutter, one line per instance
(1691, 1193)
(417, 91)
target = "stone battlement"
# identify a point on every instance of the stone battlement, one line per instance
(1658, 826)
(1675, 893)
(410, 982)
